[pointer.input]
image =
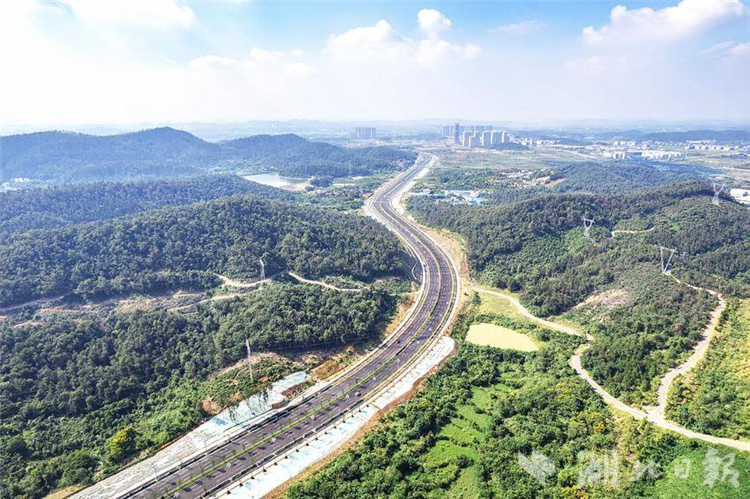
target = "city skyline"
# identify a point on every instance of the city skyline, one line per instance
(170, 61)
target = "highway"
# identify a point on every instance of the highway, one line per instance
(226, 463)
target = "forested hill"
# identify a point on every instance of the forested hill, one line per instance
(514, 245)
(67, 156)
(186, 245)
(612, 178)
(166, 152)
(644, 322)
(46, 208)
(305, 159)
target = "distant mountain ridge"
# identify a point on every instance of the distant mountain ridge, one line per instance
(65, 157)
(717, 135)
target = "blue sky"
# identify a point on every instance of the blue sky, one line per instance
(118, 61)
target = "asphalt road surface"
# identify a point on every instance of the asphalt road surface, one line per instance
(226, 463)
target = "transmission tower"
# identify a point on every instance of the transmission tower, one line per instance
(249, 360)
(587, 224)
(718, 188)
(666, 259)
(262, 270)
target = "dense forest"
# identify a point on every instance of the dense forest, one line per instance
(72, 390)
(537, 247)
(503, 424)
(294, 156)
(613, 178)
(186, 246)
(75, 157)
(28, 209)
(165, 152)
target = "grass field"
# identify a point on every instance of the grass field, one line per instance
(500, 337)
(493, 304)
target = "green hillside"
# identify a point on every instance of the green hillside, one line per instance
(186, 246)
(48, 208)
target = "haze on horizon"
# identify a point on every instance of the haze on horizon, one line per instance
(171, 61)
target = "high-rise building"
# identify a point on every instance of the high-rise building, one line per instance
(446, 131)
(486, 138)
(474, 140)
(466, 140)
(456, 132)
(363, 133)
(504, 137)
(495, 137)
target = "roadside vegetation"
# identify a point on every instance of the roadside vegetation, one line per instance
(132, 356)
(80, 398)
(502, 423)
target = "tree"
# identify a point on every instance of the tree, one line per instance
(122, 444)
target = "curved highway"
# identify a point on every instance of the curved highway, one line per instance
(225, 464)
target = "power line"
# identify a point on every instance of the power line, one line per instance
(666, 259)
(718, 188)
(587, 224)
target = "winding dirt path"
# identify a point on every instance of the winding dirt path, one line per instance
(228, 281)
(655, 415)
(629, 231)
(324, 284)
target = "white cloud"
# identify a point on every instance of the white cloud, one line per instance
(300, 69)
(217, 62)
(265, 56)
(382, 43)
(259, 60)
(730, 51)
(296, 52)
(433, 23)
(597, 63)
(719, 47)
(686, 19)
(520, 28)
(368, 43)
(157, 14)
(431, 52)
(739, 50)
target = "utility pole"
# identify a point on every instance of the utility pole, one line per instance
(587, 224)
(666, 259)
(717, 190)
(249, 361)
